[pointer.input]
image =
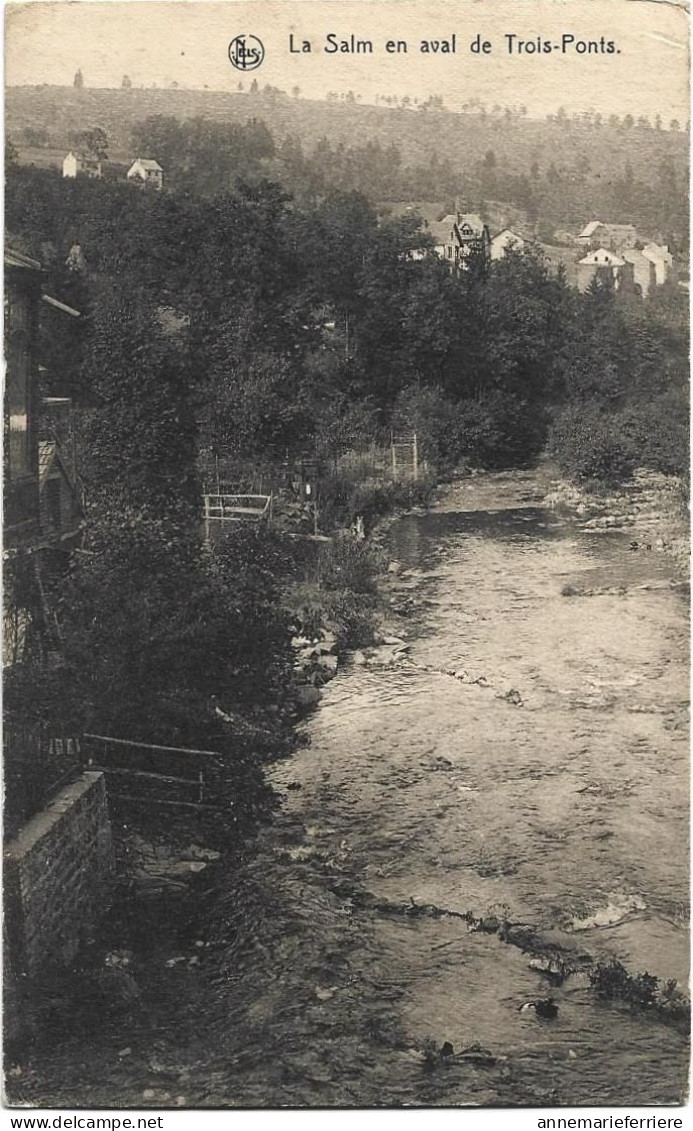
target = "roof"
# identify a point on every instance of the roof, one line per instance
(472, 219)
(47, 451)
(146, 163)
(609, 257)
(632, 255)
(508, 232)
(591, 228)
(441, 229)
(655, 251)
(48, 454)
(593, 225)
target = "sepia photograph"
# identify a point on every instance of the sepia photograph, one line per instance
(346, 556)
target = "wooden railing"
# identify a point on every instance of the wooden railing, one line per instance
(161, 775)
(221, 508)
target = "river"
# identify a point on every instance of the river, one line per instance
(526, 760)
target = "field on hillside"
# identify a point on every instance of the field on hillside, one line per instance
(420, 135)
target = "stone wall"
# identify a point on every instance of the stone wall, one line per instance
(58, 877)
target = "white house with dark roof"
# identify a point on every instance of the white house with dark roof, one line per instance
(147, 171)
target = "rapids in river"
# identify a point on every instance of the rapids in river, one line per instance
(545, 782)
(525, 761)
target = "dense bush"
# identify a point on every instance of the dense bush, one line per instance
(658, 434)
(352, 617)
(590, 446)
(426, 411)
(349, 562)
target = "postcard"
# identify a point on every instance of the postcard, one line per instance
(346, 481)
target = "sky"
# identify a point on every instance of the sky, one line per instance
(187, 42)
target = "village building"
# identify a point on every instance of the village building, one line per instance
(504, 241)
(606, 265)
(58, 856)
(75, 165)
(42, 502)
(461, 235)
(644, 274)
(613, 237)
(663, 262)
(148, 172)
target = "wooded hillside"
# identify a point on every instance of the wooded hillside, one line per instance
(564, 171)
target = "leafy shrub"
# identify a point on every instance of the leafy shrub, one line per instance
(351, 563)
(591, 446)
(611, 981)
(502, 431)
(351, 616)
(428, 412)
(658, 435)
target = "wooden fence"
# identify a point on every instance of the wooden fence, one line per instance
(161, 775)
(225, 508)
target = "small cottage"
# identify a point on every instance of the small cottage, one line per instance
(148, 172)
(505, 241)
(614, 237)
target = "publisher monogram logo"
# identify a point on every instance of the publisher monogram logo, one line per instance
(246, 52)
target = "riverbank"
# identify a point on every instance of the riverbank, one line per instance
(344, 602)
(469, 832)
(652, 508)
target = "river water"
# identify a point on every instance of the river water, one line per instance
(526, 760)
(553, 793)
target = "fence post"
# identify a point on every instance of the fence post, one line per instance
(394, 458)
(415, 453)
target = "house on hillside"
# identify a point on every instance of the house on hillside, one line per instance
(606, 265)
(148, 172)
(460, 235)
(505, 241)
(663, 262)
(79, 165)
(613, 237)
(644, 273)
